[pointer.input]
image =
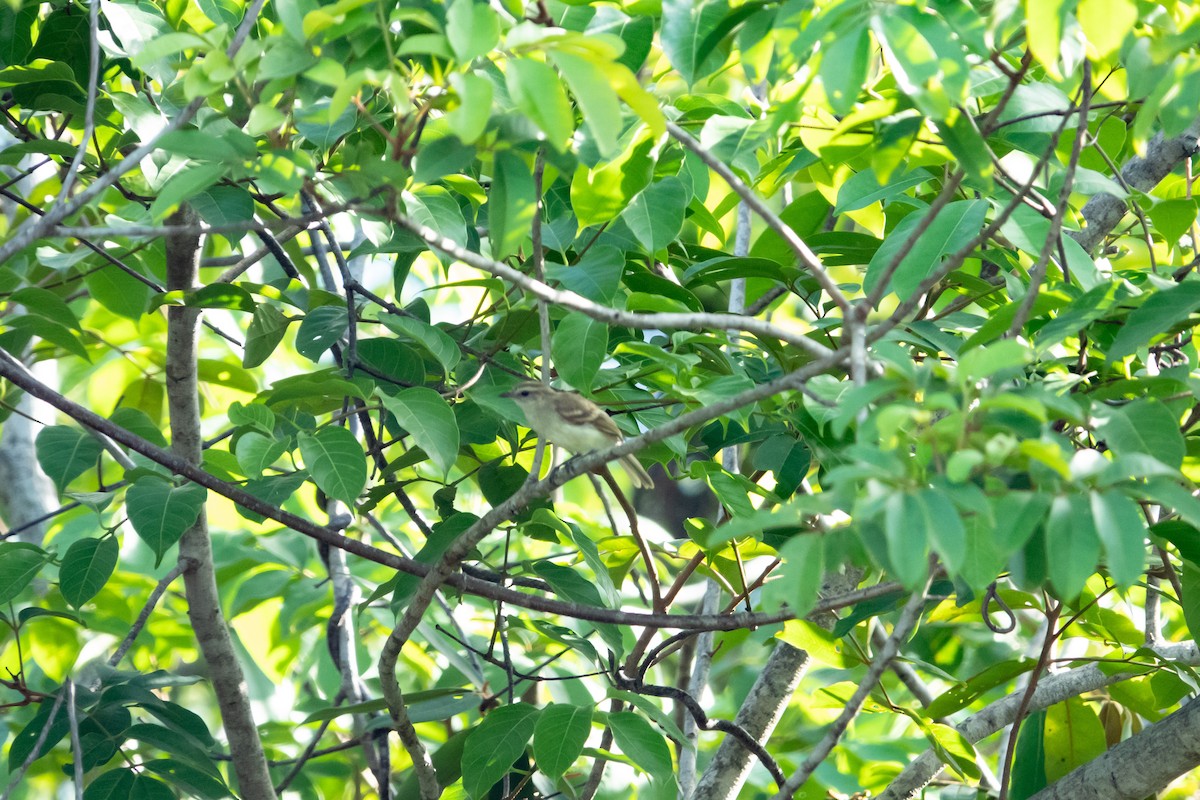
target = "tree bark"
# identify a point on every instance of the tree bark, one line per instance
(759, 715)
(195, 548)
(1051, 689)
(26, 494)
(1138, 767)
(1104, 211)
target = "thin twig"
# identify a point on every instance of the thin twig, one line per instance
(804, 254)
(691, 321)
(1037, 273)
(35, 751)
(883, 658)
(147, 609)
(89, 114)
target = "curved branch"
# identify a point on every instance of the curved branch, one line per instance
(1103, 211)
(576, 302)
(34, 228)
(1052, 689)
(1138, 767)
(900, 633)
(804, 254)
(12, 370)
(758, 716)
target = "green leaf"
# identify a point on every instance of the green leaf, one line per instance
(1074, 736)
(843, 69)
(469, 120)
(1190, 601)
(24, 328)
(65, 453)
(511, 204)
(1018, 515)
(805, 215)
(320, 329)
(954, 749)
(959, 697)
(538, 93)
(434, 339)
(1160, 312)
(1106, 23)
(160, 512)
(926, 59)
(1173, 218)
(1122, 530)
(47, 304)
(472, 28)
(20, 563)
(187, 778)
(224, 205)
(798, 584)
(1142, 426)
(983, 362)
(906, 529)
(966, 144)
(255, 415)
(558, 737)
(336, 462)
(264, 335)
(183, 185)
(423, 413)
(1171, 495)
(686, 28)
(956, 223)
(569, 583)
(592, 557)
(1072, 544)
(1029, 760)
(596, 98)
(597, 276)
(86, 567)
(275, 489)
(116, 784)
(601, 194)
(656, 215)
(118, 291)
(580, 345)
(944, 527)
(256, 451)
(220, 295)
(495, 746)
(436, 208)
(862, 189)
(148, 788)
(169, 741)
(1043, 30)
(644, 745)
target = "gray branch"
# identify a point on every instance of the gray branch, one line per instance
(195, 547)
(1105, 211)
(996, 716)
(1138, 767)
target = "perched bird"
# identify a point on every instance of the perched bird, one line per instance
(572, 421)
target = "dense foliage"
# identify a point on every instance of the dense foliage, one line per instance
(897, 298)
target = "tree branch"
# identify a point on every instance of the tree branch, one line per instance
(195, 548)
(612, 316)
(996, 716)
(1104, 211)
(14, 371)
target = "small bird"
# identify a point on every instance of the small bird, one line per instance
(574, 422)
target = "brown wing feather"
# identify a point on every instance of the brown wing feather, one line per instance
(578, 415)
